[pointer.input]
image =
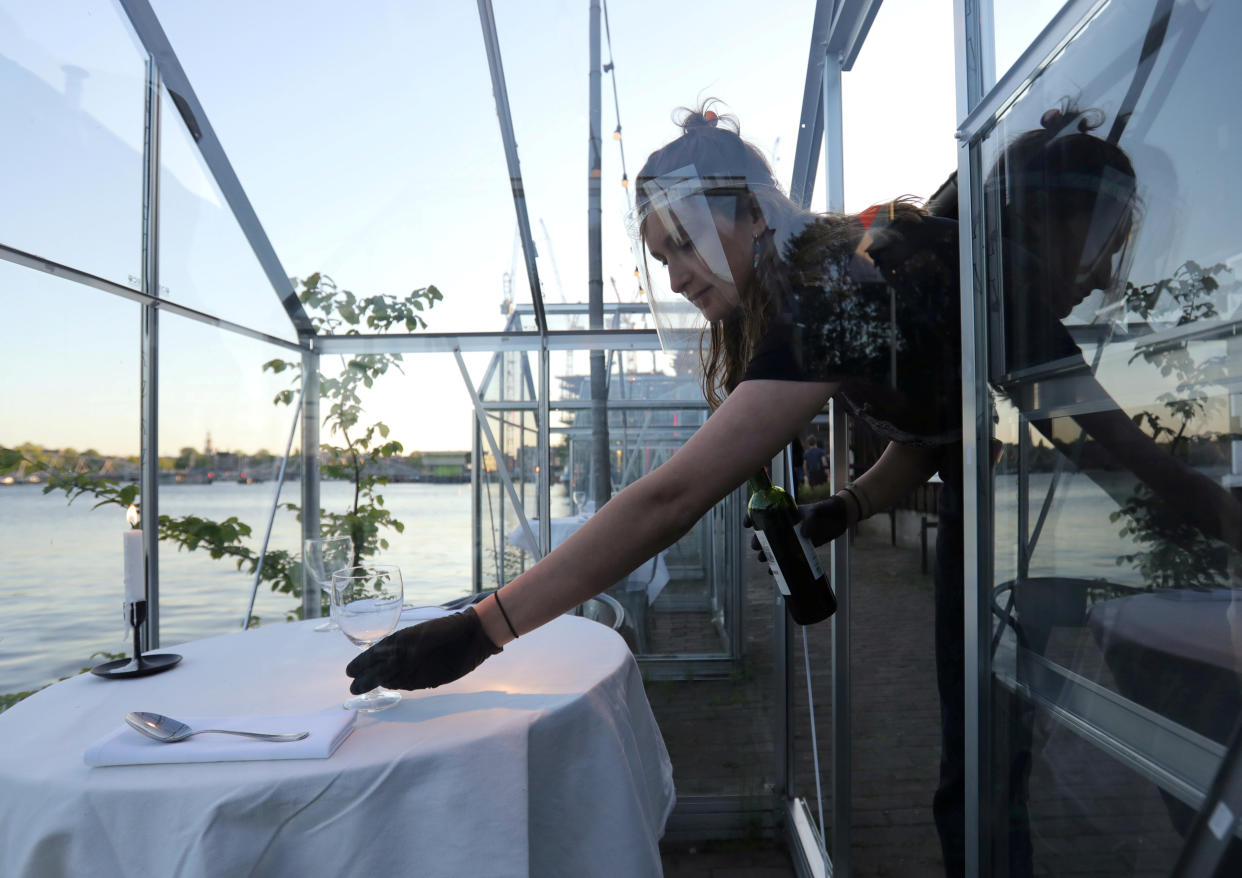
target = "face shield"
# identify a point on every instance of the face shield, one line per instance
(1107, 246)
(689, 250)
(1078, 238)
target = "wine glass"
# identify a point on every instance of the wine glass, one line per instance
(320, 559)
(579, 500)
(366, 603)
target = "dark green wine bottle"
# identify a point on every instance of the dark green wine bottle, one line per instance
(791, 557)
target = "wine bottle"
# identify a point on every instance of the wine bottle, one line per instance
(791, 557)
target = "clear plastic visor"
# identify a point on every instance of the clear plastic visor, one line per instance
(1107, 252)
(687, 250)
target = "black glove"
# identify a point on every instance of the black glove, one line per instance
(824, 521)
(821, 522)
(427, 655)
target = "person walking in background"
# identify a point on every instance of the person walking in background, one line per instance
(815, 460)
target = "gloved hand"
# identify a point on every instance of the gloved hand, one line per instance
(826, 520)
(424, 656)
(820, 522)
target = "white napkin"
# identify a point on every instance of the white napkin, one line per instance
(124, 746)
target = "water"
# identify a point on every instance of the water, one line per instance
(61, 577)
(1077, 539)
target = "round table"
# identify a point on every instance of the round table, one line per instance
(545, 761)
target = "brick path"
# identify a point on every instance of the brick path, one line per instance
(1089, 815)
(719, 741)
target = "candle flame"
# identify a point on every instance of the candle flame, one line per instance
(131, 515)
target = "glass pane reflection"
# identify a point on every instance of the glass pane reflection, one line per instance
(72, 90)
(206, 263)
(71, 401)
(1111, 274)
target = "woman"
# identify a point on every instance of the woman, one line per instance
(796, 309)
(792, 310)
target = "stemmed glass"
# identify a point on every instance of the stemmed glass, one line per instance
(366, 603)
(320, 559)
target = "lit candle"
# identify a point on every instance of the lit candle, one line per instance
(135, 573)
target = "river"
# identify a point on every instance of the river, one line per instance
(61, 570)
(61, 576)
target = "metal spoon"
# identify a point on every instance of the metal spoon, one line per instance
(169, 730)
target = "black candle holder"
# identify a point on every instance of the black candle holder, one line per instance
(140, 665)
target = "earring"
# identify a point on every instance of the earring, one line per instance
(755, 263)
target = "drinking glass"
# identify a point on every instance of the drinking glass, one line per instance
(579, 500)
(366, 603)
(320, 559)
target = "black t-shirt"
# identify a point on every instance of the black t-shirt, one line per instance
(837, 325)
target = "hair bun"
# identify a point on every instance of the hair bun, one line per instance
(704, 118)
(696, 119)
(1058, 118)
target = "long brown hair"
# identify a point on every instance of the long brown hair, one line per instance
(787, 254)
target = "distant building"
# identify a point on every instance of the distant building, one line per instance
(449, 466)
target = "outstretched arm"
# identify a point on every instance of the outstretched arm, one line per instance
(1195, 498)
(740, 437)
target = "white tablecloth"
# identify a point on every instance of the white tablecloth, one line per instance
(650, 577)
(545, 761)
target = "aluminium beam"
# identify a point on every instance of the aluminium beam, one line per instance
(147, 26)
(811, 126)
(65, 272)
(491, 43)
(850, 26)
(149, 368)
(989, 101)
(489, 342)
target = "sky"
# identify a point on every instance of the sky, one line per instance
(367, 140)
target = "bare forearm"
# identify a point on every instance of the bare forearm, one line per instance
(634, 526)
(900, 469)
(740, 437)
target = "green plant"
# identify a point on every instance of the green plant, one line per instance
(332, 310)
(358, 446)
(1176, 554)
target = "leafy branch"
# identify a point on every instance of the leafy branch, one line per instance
(1177, 555)
(361, 446)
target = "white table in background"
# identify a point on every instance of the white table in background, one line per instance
(637, 592)
(545, 761)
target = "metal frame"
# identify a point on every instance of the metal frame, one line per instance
(1174, 758)
(86, 279)
(974, 70)
(150, 373)
(177, 84)
(491, 43)
(839, 30)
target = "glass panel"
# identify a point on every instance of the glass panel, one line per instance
(221, 442)
(1016, 24)
(71, 403)
(205, 261)
(1114, 306)
(421, 500)
(881, 112)
(74, 83)
(383, 169)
